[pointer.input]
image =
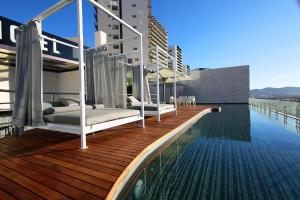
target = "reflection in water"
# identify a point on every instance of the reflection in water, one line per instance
(232, 123)
(224, 156)
(288, 123)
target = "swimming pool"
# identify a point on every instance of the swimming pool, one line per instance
(236, 154)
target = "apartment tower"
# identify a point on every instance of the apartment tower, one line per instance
(186, 69)
(158, 36)
(137, 13)
(176, 50)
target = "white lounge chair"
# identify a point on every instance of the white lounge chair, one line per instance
(191, 100)
(182, 100)
(150, 109)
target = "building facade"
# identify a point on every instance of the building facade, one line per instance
(186, 70)
(158, 36)
(175, 50)
(137, 13)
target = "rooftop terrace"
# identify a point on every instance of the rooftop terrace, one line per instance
(43, 164)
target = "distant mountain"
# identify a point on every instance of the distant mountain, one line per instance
(275, 92)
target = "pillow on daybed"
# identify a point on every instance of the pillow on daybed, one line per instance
(47, 108)
(132, 101)
(64, 109)
(69, 101)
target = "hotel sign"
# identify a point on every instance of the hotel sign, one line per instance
(7, 38)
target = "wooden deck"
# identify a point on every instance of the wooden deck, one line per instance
(47, 165)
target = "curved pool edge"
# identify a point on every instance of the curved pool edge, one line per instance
(130, 170)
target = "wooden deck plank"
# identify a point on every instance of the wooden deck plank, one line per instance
(76, 183)
(93, 159)
(44, 179)
(6, 196)
(79, 168)
(72, 173)
(30, 184)
(15, 190)
(81, 161)
(46, 164)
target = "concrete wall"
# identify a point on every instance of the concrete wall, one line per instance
(67, 82)
(223, 85)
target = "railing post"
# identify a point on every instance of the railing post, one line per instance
(157, 85)
(142, 81)
(284, 114)
(175, 89)
(297, 117)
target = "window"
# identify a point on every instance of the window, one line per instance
(133, 16)
(115, 27)
(116, 37)
(135, 49)
(134, 5)
(109, 35)
(135, 27)
(109, 25)
(136, 60)
(130, 60)
(116, 47)
(114, 8)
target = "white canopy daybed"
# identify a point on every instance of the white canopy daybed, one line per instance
(158, 108)
(28, 108)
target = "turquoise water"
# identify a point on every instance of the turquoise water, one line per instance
(236, 154)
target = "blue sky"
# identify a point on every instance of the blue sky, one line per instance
(212, 33)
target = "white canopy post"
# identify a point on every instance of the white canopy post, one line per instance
(81, 69)
(157, 85)
(142, 82)
(175, 89)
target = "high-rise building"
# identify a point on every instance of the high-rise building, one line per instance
(137, 13)
(176, 50)
(186, 69)
(158, 36)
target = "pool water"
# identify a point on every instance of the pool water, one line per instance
(240, 153)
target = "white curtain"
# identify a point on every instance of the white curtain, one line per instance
(136, 84)
(119, 78)
(29, 65)
(106, 79)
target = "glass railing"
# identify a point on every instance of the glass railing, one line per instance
(286, 107)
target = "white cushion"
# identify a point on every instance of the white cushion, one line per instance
(133, 101)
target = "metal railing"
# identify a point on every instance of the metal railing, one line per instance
(287, 108)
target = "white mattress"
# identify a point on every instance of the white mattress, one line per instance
(153, 107)
(95, 116)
